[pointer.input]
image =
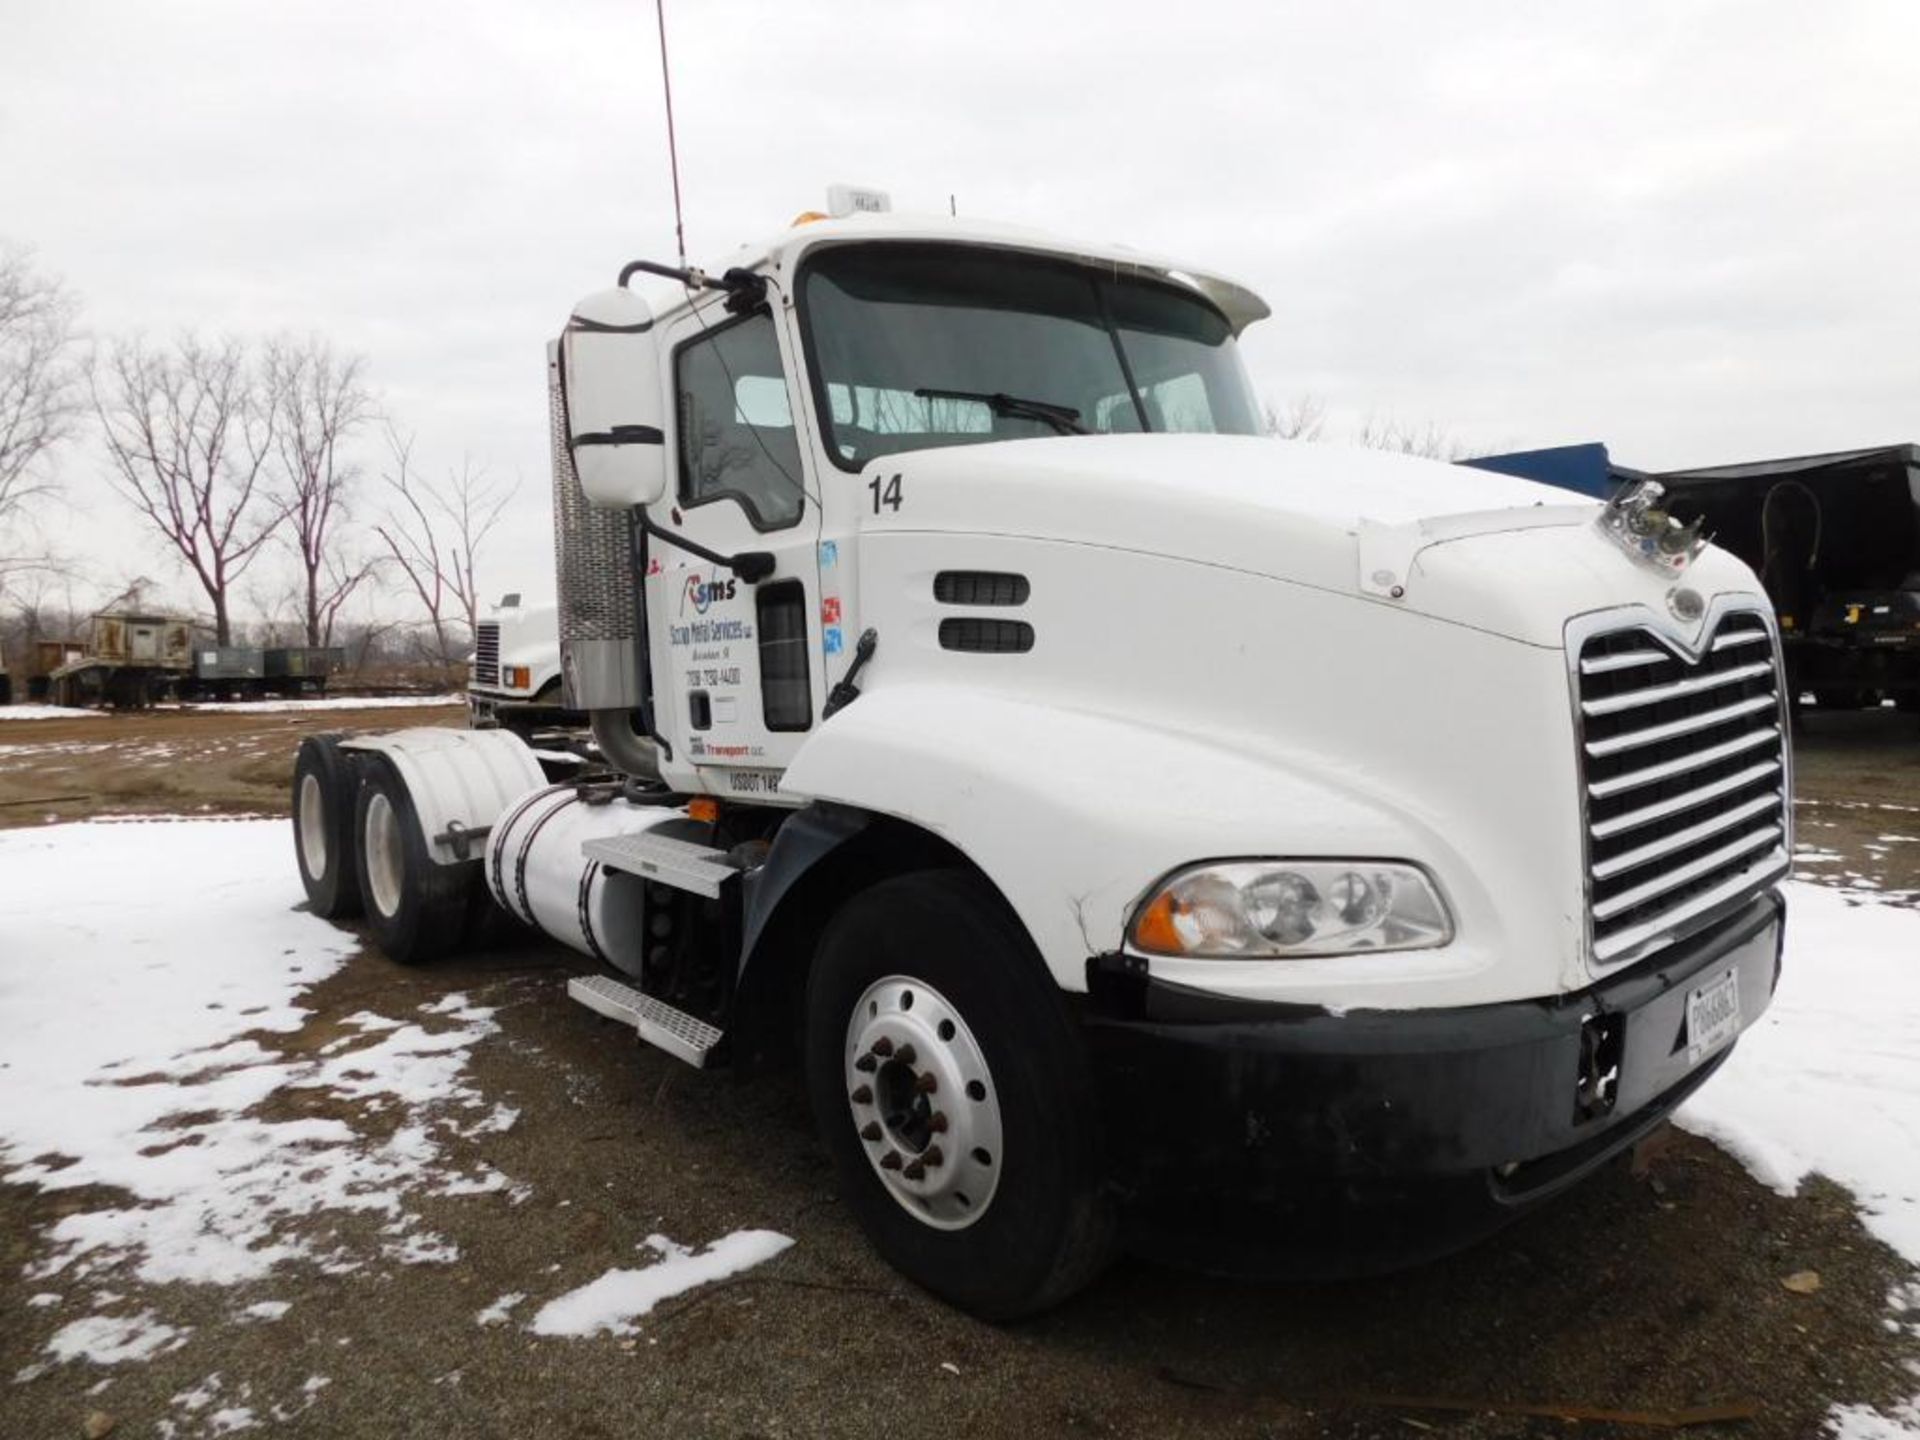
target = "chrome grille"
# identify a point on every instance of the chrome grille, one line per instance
(1686, 774)
(486, 653)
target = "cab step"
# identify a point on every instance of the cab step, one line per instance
(683, 1036)
(677, 864)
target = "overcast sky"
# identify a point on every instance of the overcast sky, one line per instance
(1691, 230)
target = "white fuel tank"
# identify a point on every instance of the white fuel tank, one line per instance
(538, 875)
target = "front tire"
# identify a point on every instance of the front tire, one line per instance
(950, 1086)
(323, 831)
(416, 908)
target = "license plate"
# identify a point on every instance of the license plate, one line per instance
(1713, 1016)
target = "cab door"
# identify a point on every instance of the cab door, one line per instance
(736, 686)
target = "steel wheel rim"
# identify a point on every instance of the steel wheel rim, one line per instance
(386, 867)
(313, 826)
(923, 1102)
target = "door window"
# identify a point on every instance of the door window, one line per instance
(736, 431)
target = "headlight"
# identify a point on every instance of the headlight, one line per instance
(518, 677)
(1284, 909)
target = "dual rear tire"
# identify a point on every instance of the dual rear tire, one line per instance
(361, 851)
(324, 780)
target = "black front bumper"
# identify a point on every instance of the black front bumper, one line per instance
(1262, 1138)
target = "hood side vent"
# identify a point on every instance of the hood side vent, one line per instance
(980, 587)
(986, 637)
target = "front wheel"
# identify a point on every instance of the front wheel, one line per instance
(950, 1086)
(416, 908)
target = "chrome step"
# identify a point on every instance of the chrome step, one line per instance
(683, 1036)
(677, 864)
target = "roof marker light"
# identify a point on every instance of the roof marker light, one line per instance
(843, 200)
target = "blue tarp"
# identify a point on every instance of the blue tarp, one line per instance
(1583, 468)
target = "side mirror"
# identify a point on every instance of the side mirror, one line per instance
(610, 368)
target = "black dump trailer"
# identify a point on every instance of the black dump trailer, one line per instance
(1836, 540)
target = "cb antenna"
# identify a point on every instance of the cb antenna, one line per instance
(673, 148)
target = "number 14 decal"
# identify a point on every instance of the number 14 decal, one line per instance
(885, 493)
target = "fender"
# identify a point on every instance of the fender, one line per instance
(806, 839)
(466, 778)
(1061, 780)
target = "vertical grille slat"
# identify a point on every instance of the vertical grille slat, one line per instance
(1684, 773)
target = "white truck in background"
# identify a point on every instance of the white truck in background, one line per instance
(1267, 856)
(513, 678)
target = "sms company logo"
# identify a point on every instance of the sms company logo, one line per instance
(702, 593)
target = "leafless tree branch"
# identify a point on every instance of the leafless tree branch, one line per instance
(322, 402)
(433, 535)
(1303, 418)
(41, 398)
(1430, 441)
(191, 432)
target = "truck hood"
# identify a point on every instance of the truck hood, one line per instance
(1462, 545)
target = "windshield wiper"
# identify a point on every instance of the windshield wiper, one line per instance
(1064, 419)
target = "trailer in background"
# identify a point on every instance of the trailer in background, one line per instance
(1835, 538)
(235, 670)
(251, 672)
(132, 659)
(301, 669)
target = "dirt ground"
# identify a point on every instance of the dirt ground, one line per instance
(1656, 1287)
(170, 762)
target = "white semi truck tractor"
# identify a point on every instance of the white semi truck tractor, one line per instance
(513, 676)
(1270, 857)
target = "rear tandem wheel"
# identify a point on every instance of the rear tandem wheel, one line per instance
(416, 908)
(324, 780)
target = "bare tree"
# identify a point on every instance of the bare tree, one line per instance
(321, 402)
(43, 609)
(433, 534)
(191, 432)
(40, 392)
(1430, 441)
(1303, 418)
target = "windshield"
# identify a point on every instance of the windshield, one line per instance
(918, 346)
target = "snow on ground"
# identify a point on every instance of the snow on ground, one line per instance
(146, 970)
(114, 1340)
(46, 712)
(501, 1310)
(1829, 1082)
(609, 1304)
(325, 702)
